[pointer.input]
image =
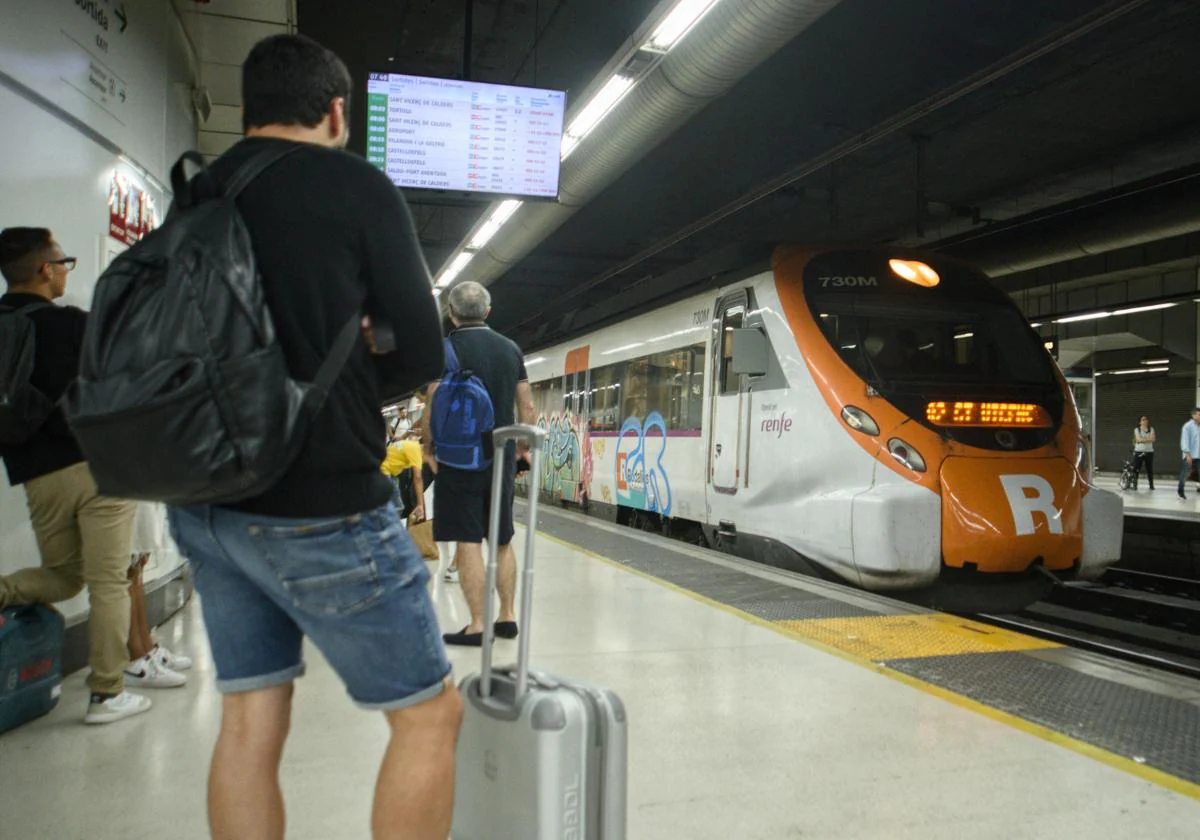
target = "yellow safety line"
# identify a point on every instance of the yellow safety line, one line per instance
(1142, 771)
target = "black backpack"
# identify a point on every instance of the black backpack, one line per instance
(23, 408)
(183, 393)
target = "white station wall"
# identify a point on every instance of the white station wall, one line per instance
(80, 102)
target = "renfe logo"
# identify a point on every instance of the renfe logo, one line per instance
(778, 425)
(1024, 505)
(572, 830)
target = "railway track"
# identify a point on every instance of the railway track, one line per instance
(1153, 620)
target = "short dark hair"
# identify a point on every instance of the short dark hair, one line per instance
(21, 249)
(290, 80)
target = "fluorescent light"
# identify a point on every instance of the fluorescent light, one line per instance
(605, 99)
(623, 348)
(1128, 371)
(678, 22)
(537, 361)
(965, 335)
(1036, 325)
(494, 222)
(1156, 361)
(455, 268)
(1149, 308)
(1089, 316)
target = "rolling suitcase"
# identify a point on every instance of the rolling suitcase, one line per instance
(539, 756)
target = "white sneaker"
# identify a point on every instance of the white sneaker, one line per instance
(450, 576)
(117, 708)
(167, 659)
(147, 672)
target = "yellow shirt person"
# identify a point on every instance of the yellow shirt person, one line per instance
(406, 455)
(402, 455)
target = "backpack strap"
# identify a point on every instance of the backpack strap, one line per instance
(339, 354)
(183, 187)
(256, 166)
(27, 308)
(452, 365)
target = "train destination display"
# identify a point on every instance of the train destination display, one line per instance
(447, 134)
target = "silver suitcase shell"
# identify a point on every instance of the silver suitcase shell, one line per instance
(539, 756)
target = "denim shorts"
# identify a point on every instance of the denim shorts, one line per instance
(355, 586)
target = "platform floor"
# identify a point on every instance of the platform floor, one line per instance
(1160, 503)
(744, 722)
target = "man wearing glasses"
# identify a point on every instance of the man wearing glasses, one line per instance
(83, 537)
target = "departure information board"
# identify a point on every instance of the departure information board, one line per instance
(446, 134)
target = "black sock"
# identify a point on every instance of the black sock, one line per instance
(97, 697)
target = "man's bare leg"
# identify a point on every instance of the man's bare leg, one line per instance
(469, 559)
(245, 801)
(506, 581)
(414, 798)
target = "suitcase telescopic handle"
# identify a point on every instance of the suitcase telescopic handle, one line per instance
(501, 464)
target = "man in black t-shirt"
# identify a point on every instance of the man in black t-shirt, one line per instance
(323, 554)
(462, 498)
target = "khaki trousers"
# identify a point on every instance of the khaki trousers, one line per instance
(84, 538)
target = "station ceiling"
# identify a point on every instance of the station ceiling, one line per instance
(1091, 114)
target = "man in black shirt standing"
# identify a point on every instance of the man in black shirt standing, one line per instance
(462, 498)
(323, 554)
(83, 537)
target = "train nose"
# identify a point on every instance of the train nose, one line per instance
(1002, 514)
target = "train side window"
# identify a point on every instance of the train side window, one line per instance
(730, 321)
(547, 397)
(604, 398)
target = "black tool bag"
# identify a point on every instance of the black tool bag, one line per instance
(183, 393)
(23, 408)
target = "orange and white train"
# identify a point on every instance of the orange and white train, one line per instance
(880, 416)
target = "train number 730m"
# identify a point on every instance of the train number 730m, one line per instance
(849, 281)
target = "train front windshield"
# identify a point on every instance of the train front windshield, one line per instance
(892, 344)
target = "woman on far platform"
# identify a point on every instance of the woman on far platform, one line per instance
(1143, 450)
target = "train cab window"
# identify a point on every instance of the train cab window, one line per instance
(732, 319)
(885, 343)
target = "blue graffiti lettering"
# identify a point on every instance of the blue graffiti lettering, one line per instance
(638, 485)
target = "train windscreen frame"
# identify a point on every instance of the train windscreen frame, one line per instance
(960, 340)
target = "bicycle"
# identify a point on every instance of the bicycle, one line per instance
(1128, 477)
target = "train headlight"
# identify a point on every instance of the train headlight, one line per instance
(859, 420)
(915, 272)
(906, 455)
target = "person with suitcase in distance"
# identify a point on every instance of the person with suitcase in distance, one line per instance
(321, 553)
(540, 756)
(83, 537)
(485, 381)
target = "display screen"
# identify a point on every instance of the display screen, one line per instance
(1020, 415)
(446, 134)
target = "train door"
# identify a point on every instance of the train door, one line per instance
(728, 397)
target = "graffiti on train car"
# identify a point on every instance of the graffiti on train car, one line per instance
(566, 456)
(642, 480)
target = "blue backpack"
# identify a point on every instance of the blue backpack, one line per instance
(460, 417)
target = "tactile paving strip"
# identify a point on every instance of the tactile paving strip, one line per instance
(1151, 729)
(883, 637)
